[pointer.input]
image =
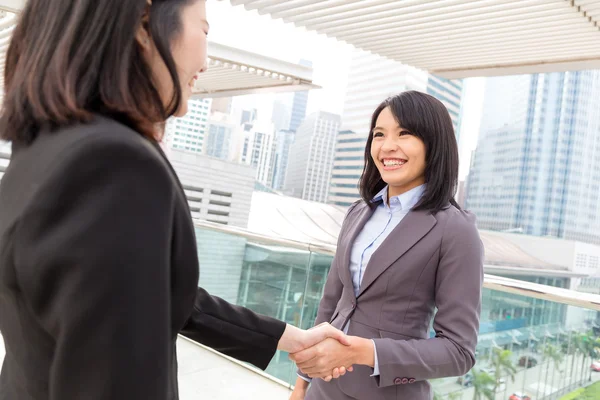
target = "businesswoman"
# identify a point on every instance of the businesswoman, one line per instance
(98, 263)
(404, 250)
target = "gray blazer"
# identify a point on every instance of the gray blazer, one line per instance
(427, 262)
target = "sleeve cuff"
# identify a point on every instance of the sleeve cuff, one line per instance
(376, 363)
(307, 379)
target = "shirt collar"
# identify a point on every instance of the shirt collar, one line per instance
(404, 201)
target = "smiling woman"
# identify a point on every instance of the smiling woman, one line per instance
(404, 250)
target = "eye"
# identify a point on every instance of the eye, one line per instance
(377, 134)
(404, 133)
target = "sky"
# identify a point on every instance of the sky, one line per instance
(236, 27)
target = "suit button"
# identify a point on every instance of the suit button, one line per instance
(404, 381)
(411, 380)
(353, 305)
(397, 381)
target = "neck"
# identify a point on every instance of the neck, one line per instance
(394, 191)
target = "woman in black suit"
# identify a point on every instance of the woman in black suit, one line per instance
(98, 263)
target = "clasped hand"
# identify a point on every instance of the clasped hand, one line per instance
(329, 358)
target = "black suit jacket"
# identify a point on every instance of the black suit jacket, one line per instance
(99, 272)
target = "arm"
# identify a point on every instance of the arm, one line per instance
(459, 282)
(233, 330)
(92, 254)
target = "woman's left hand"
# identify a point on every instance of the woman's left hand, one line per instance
(320, 360)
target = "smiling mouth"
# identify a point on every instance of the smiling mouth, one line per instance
(393, 163)
(192, 81)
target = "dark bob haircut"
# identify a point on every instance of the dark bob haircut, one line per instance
(428, 119)
(70, 59)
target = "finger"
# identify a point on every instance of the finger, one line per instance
(320, 325)
(327, 378)
(337, 335)
(336, 373)
(350, 368)
(342, 371)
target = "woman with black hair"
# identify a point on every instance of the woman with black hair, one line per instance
(404, 250)
(98, 259)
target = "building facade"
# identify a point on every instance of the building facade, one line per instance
(188, 132)
(220, 137)
(536, 169)
(311, 157)
(217, 190)
(258, 149)
(448, 92)
(284, 141)
(299, 104)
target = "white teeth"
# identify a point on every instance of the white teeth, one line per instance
(392, 163)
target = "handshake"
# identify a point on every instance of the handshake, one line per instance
(326, 352)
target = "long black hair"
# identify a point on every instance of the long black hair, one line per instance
(427, 118)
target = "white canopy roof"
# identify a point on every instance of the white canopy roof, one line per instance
(456, 38)
(231, 71)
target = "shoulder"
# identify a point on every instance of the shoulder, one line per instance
(458, 223)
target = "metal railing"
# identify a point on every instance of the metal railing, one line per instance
(507, 285)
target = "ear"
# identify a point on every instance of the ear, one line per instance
(142, 36)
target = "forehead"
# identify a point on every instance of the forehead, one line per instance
(386, 120)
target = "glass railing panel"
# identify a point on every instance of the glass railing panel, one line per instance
(268, 279)
(538, 348)
(284, 280)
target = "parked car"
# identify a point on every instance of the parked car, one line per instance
(531, 361)
(595, 366)
(519, 396)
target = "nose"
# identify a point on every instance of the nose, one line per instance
(389, 144)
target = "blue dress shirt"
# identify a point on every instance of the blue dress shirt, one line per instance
(383, 221)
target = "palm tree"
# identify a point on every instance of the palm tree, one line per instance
(502, 362)
(455, 396)
(590, 348)
(552, 353)
(484, 385)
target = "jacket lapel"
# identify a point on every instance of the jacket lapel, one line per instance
(358, 219)
(414, 226)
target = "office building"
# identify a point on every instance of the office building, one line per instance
(257, 148)
(536, 169)
(311, 157)
(188, 132)
(220, 137)
(299, 104)
(448, 92)
(284, 141)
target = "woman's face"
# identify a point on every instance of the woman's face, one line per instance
(189, 52)
(398, 155)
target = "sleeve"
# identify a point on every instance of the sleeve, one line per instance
(233, 330)
(92, 254)
(332, 291)
(458, 289)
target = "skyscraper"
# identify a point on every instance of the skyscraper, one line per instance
(448, 92)
(284, 142)
(188, 132)
(537, 165)
(219, 139)
(371, 80)
(311, 157)
(258, 149)
(299, 104)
